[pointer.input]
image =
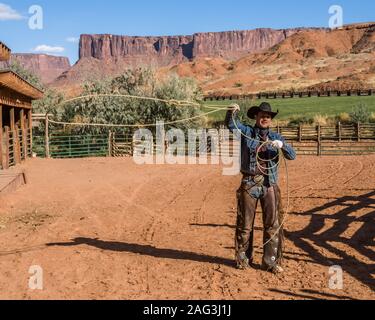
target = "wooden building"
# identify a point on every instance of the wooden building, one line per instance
(16, 95)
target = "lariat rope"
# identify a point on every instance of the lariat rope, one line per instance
(132, 125)
(179, 103)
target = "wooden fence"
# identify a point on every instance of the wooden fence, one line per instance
(307, 140)
(318, 140)
(331, 140)
(340, 132)
(291, 94)
(16, 146)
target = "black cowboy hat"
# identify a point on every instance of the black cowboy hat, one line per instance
(265, 107)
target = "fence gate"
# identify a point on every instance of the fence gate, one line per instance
(120, 145)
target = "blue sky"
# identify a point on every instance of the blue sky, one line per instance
(64, 21)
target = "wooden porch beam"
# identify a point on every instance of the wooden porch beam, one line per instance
(12, 119)
(1, 138)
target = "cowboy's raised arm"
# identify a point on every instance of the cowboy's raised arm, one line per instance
(232, 121)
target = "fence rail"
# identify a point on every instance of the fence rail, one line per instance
(78, 146)
(292, 94)
(307, 140)
(354, 132)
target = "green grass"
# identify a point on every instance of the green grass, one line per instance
(303, 107)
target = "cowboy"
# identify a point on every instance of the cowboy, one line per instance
(260, 149)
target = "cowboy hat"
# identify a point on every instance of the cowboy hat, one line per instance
(264, 107)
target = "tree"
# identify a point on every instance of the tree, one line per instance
(132, 111)
(49, 104)
(27, 75)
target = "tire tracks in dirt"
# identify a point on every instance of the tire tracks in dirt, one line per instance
(199, 216)
(321, 181)
(337, 184)
(157, 220)
(357, 174)
(128, 201)
(149, 230)
(216, 277)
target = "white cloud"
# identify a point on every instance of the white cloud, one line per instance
(72, 39)
(49, 49)
(8, 13)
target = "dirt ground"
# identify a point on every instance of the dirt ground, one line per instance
(110, 229)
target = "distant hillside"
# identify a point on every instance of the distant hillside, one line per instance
(337, 59)
(47, 67)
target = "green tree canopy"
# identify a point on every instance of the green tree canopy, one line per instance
(130, 111)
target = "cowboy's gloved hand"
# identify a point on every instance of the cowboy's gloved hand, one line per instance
(234, 108)
(277, 144)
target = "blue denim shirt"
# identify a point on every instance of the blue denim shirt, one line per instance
(249, 148)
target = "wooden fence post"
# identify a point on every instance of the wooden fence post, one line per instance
(30, 128)
(70, 146)
(24, 137)
(319, 140)
(339, 131)
(359, 131)
(110, 146)
(46, 137)
(6, 164)
(114, 144)
(16, 145)
(14, 135)
(300, 133)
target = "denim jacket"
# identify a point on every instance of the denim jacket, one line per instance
(249, 148)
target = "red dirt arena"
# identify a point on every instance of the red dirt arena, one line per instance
(110, 229)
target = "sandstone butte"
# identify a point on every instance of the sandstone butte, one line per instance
(176, 49)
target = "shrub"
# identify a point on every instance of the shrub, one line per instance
(343, 117)
(321, 120)
(301, 120)
(360, 114)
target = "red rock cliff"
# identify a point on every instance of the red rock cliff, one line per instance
(175, 49)
(159, 50)
(47, 67)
